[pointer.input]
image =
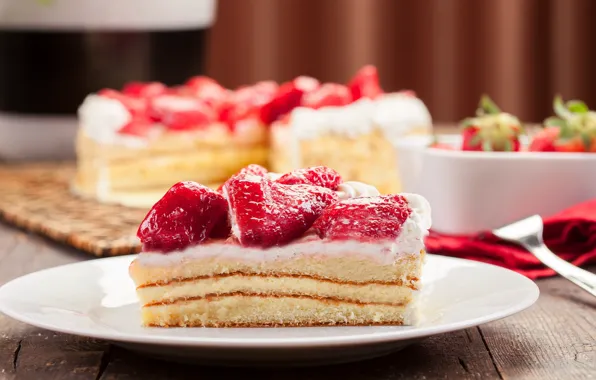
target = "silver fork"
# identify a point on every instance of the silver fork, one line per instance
(528, 233)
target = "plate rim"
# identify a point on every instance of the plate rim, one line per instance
(293, 342)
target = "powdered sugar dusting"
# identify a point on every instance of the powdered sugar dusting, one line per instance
(316, 175)
(374, 218)
(266, 213)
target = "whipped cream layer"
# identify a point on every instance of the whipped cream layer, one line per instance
(409, 242)
(395, 114)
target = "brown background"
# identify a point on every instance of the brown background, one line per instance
(521, 52)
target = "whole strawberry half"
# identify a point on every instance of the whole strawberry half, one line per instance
(252, 169)
(265, 213)
(188, 214)
(181, 112)
(316, 175)
(329, 94)
(368, 218)
(136, 106)
(365, 83)
(491, 130)
(288, 97)
(144, 89)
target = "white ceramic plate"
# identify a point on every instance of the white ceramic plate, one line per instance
(97, 299)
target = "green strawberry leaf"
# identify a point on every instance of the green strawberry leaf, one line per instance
(488, 106)
(555, 122)
(566, 131)
(560, 109)
(508, 146)
(467, 122)
(577, 106)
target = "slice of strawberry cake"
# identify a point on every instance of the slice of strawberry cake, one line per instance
(351, 128)
(300, 249)
(134, 144)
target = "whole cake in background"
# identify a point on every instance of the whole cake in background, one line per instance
(133, 144)
(303, 248)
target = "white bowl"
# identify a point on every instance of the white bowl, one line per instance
(477, 191)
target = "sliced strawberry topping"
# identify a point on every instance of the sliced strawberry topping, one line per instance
(365, 84)
(144, 90)
(252, 169)
(369, 218)
(316, 175)
(186, 215)
(181, 112)
(266, 213)
(303, 83)
(288, 97)
(135, 106)
(245, 102)
(138, 126)
(205, 89)
(329, 94)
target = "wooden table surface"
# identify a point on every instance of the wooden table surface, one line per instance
(554, 339)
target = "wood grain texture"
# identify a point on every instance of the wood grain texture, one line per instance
(460, 355)
(559, 333)
(555, 339)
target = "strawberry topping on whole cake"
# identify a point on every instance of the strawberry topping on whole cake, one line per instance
(200, 102)
(255, 208)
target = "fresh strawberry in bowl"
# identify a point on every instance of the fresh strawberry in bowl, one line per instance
(573, 129)
(494, 172)
(492, 130)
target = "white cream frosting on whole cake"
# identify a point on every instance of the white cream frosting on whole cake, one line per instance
(101, 118)
(395, 114)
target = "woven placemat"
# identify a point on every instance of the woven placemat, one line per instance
(36, 197)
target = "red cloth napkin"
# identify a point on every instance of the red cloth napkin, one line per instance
(571, 234)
